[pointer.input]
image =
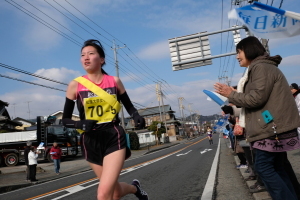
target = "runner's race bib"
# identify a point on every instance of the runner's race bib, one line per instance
(96, 108)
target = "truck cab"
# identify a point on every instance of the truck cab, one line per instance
(47, 132)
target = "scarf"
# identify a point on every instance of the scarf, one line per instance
(240, 89)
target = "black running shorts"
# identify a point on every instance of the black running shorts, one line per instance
(97, 144)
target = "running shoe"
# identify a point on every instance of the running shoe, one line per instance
(140, 193)
(258, 188)
(241, 167)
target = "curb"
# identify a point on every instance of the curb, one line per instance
(8, 188)
(160, 148)
(259, 195)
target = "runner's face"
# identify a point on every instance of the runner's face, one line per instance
(240, 56)
(90, 59)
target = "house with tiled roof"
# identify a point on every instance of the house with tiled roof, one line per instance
(6, 123)
(158, 113)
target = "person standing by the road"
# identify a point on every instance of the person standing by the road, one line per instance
(56, 154)
(269, 115)
(295, 91)
(103, 140)
(26, 152)
(32, 162)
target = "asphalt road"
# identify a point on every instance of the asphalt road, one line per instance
(178, 172)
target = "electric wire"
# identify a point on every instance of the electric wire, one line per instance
(76, 42)
(95, 31)
(54, 20)
(221, 49)
(93, 22)
(29, 73)
(120, 42)
(16, 79)
(43, 22)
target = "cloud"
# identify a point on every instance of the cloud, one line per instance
(290, 61)
(47, 27)
(192, 92)
(62, 74)
(13, 75)
(199, 74)
(46, 101)
(280, 42)
(157, 50)
(131, 77)
(33, 102)
(42, 100)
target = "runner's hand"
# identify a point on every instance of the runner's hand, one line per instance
(139, 122)
(86, 125)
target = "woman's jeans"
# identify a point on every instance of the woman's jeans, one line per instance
(56, 165)
(270, 168)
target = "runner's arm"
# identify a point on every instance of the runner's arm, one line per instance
(67, 121)
(139, 121)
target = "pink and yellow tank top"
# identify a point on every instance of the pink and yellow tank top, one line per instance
(108, 84)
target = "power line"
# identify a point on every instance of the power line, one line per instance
(75, 41)
(54, 20)
(77, 19)
(221, 40)
(31, 83)
(280, 4)
(93, 22)
(43, 22)
(31, 74)
(119, 41)
(86, 25)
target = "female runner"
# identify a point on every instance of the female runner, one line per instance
(103, 140)
(209, 134)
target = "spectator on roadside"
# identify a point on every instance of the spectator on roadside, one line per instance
(32, 162)
(26, 152)
(295, 91)
(265, 89)
(56, 154)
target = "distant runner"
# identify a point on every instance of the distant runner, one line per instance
(209, 134)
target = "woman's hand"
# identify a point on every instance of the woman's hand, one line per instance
(223, 89)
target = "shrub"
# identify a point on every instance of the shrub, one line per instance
(134, 141)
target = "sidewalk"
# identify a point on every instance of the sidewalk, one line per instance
(293, 157)
(12, 178)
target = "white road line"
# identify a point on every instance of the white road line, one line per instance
(78, 188)
(205, 150)
(182, 154)
(210, 183)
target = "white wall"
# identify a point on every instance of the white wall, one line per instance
(143, 139)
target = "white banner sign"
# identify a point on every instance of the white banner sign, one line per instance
(266, 24)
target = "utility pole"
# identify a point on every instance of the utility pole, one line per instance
(198, 117)
(158, 99)
(14, 105)
(28, 109)
(163, 106)
(181, 109)
(191, 118)
(115, 48)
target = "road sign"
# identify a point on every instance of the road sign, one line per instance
(193, 50)
(158, 125)
(186, 50)
(236, 36)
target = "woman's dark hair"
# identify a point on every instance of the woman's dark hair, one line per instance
(32, 148)
(252, 47)
(98, 46)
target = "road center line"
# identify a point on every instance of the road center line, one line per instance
(74, 188)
